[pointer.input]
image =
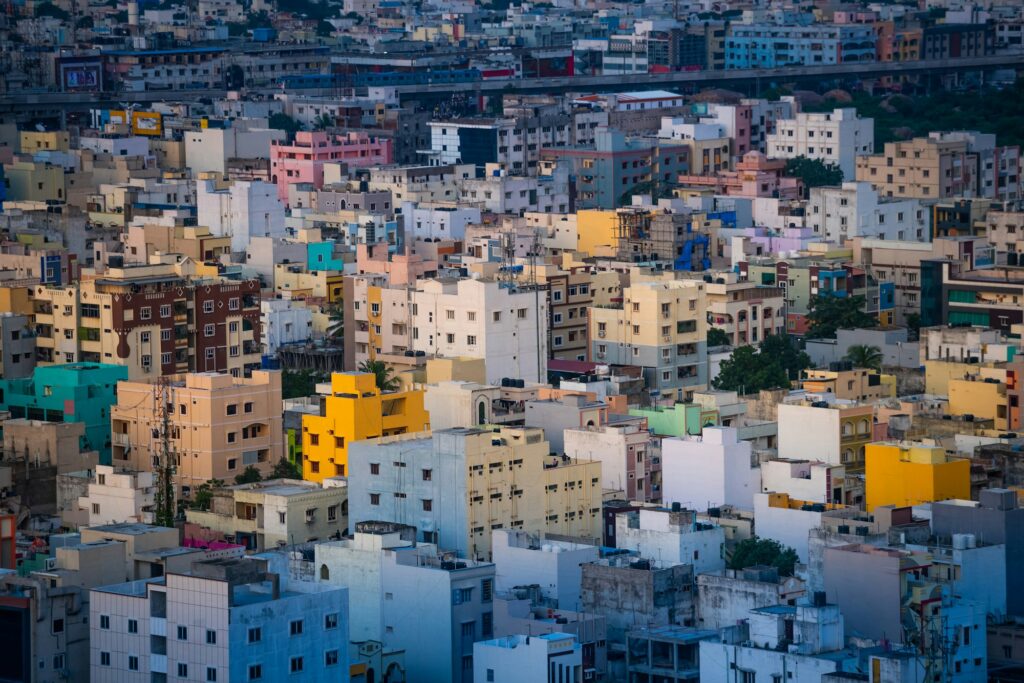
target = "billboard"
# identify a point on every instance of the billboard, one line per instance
(147, 123)
(80, 74)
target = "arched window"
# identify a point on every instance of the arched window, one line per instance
(325, 573)
(862, 427)
(847, 429)
(481, 412)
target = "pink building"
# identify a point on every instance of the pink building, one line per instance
(755, 176)
(401, 268)
(303, 161)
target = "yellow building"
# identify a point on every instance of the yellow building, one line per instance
(596, 228)
(34, 181)
(982, 395)
(858, 384)
(355, 410)
(33, 141)
(904, 474)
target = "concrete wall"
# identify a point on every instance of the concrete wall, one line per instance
(711, 472)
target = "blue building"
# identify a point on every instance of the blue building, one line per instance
(76, 392)
(767, 46)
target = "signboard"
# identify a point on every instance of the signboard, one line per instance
(80, 74)
(147, 123)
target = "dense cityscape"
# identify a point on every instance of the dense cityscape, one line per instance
(494, 341)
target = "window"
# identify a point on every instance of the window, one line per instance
(490, 675)
(330, 621)
(232, 436)
(211, 674)
(133, 626)
(374, 468)
(211, 637)
(182, 670)
(471, 340)
(58, 626)
(428, 505)
(296, 665)
(427, 474)
(468, 629)
(143, 337)
(331, 658)
(332, 513)
(104, 621)
(255, 635)
(255, 672)
(450, 338)
(104, 659)
(208, 306)
(182, 633)
(486, 590)
(295, 627)
(210, 353)
(133, 663)
(59, 661)
(233, 304)
(145, 313)
(232, 409)
(497, 316)
(209, 330)
(374, 499)
(165, 311)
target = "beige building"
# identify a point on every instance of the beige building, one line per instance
(195, 242)
(218, 425)
(746, 311)
(270, 514)
(661, 327)
(923, 168)
(116, 496)
(1005, 230)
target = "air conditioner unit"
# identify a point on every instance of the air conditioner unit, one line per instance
(601, 333)
(600, 355)
(51, 563)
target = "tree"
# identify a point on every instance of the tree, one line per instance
(749, 371)
(865, 356)
(323, 122)
(385, 379)
(913, 326)
(814, 173)
(336, 322)
(324, 29)
(250, 475)
(48, 9)
(284, 122)
(298, 383)
(830, 313)
(203, 496)
(286, 469)
(717, 337)
(784, 349)
(766, 552)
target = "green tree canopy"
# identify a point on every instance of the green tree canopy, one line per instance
(48, 9)
(286, 469)
(249, 475)
(784, 349)
(865, 356)
(814, 173)
(298, 383)
(718, 337)
(204, 494)
(384, 377)
(755, 551)
(830, 313)
(286, 123)
(748, 371)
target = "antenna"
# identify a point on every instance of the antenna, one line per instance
(165, 466)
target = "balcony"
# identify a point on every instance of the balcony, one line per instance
(158, 663)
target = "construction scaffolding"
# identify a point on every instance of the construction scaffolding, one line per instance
(645, 236)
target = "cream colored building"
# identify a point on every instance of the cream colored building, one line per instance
(458, 484)
(746, 311)
(218, 425)
(115, 496)
(923, 168)
(270, 514)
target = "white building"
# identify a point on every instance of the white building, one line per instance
(550, 657)
(855, 210)
(226, 620)
(437, 221)
(242, 210)
(501, 193)
(523, 559)
(115, 496)
(784, 642)
(209, 149)
(671, 537)
(284, 322)
(418, 601)
(835, 137)
(481, 319)
(130, 146)
(712, 470)
(817, 482)
(790, 526)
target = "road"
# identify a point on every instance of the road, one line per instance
(58, 101)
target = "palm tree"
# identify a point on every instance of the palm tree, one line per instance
(385, 379)
(323, 122)
(864, 356)
(336, 322)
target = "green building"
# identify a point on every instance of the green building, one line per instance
(76, 392)
(682, 419)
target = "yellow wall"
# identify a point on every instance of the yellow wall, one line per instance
(596, 228)
(984, 400)
(938, 373)
(36, 141)
(909, 476)
(355, 410)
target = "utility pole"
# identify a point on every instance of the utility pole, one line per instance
(534, 254)
(165, 511)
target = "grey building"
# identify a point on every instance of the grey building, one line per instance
(17, 346)
(994, 519)
(554, 416)
(630, 592)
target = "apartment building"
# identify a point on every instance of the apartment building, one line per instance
(746, 311)
(241, 210)
(223, 620)
(522, 659)
(433, 183)
(355, 409)
(923, 168)
(302, 161)
(78, 392)
(987, 297)
(906, 474)
(626, 451)
(848, 383)
(474, 318)
(661, 326)
(460, 483)
(768, 46)
(836, 432)
(217, 426)
(854, 210)
(272, 514)
(835, 138)
(998, 169)
(152, 319)
(116, 496)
